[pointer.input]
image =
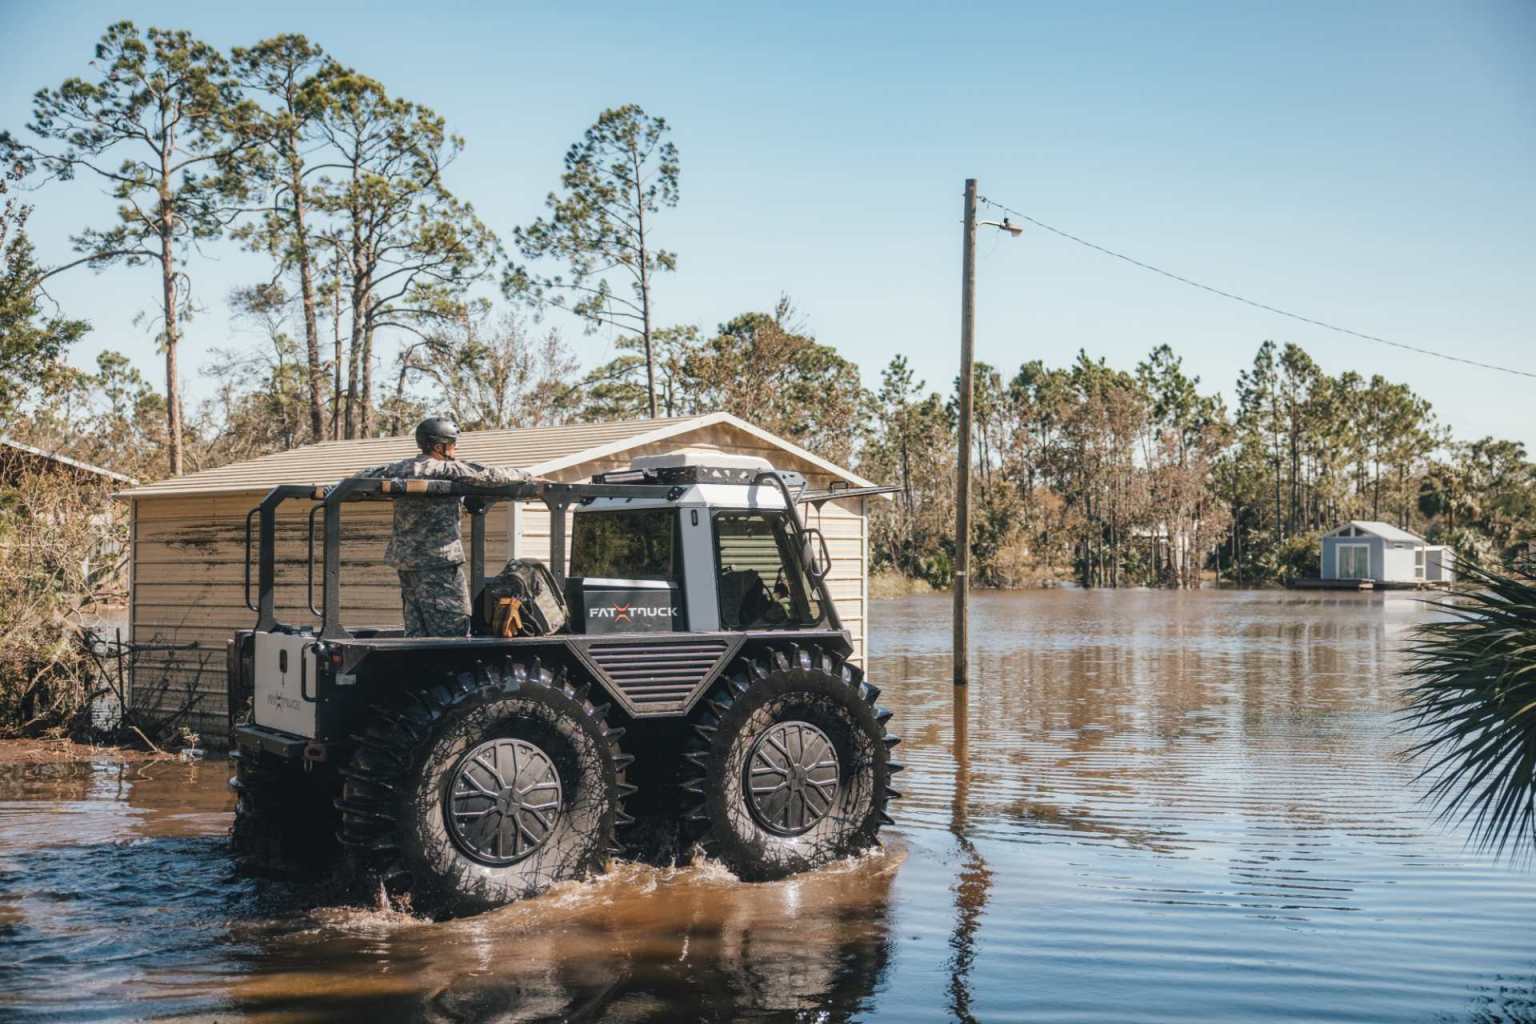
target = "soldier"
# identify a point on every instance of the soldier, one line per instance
(425, 546)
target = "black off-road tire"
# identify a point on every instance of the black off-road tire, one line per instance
(413, 766)
(797, 698)
(285, 817)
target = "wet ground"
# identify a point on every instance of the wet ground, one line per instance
(1164, 807)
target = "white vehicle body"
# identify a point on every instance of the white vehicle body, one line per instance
(695, 507)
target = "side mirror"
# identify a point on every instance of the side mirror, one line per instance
(814, 555)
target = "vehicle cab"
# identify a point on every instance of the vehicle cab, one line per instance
(723, 555)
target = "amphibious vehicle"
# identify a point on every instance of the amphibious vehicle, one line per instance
(689, 670)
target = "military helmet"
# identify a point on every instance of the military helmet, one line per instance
(435, 430)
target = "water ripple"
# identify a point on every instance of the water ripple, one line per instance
(1149, 807)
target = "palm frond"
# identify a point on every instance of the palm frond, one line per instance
(1472, 705)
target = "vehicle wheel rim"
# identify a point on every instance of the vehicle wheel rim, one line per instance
(505, 801)
(791, 778)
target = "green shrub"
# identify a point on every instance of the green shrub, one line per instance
(59, 543)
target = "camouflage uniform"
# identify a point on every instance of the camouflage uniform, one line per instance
(426, 548)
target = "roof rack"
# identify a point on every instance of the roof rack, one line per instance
(695, 474)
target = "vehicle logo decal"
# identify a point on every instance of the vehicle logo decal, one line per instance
(630, 612)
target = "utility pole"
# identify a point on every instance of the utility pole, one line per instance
(962, 578)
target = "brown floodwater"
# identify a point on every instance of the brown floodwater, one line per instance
(1163, 807)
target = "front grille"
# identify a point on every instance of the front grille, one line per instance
(657, 678)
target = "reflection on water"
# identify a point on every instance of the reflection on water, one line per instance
(117, 901)
(636, 945)
(1185, 806)
(973, 882)
(1147, 806)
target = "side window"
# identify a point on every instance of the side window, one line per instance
(627, 544)
(762, 584)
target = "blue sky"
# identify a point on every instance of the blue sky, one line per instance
(1367, 164)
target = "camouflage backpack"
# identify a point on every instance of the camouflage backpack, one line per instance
(523, 600)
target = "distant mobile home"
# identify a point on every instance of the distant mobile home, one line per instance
(1383, 554)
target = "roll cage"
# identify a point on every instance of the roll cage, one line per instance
(557, 497)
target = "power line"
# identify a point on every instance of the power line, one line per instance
(1250, 302)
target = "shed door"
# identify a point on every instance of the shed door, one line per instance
(1354, 561)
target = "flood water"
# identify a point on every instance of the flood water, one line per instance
(1163, 807)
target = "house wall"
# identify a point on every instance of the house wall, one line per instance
(188, 564)
(1399, 562)
(1391, 562)
(1331, 545)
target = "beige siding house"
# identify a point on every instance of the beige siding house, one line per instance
(188, 567)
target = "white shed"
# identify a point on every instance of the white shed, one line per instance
(1387, 555)
(188, 564)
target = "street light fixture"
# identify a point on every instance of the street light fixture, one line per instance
(1007, 225)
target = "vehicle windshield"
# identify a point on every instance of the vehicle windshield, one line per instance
(629, 544)
(762, 582)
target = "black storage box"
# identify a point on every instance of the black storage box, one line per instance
(624, 606)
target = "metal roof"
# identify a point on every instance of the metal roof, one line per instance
(1386, 531)
(66, 461)
(539, 450)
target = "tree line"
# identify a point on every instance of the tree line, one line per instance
(343, 186)
(387, 297)
(1138, 477)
